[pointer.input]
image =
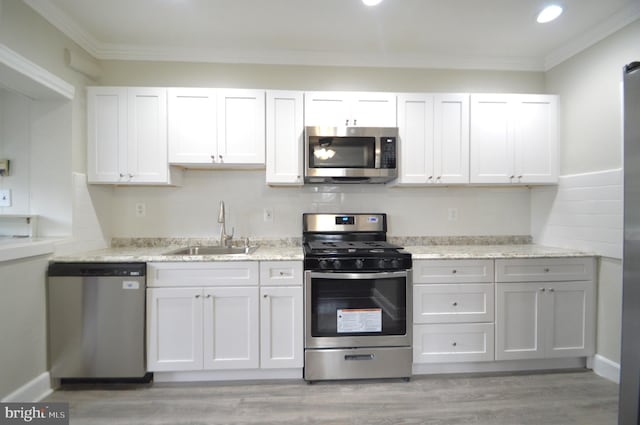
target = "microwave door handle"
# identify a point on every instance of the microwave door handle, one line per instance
(378, 155)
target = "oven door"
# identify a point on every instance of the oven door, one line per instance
(358, 309)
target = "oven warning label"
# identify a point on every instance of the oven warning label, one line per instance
(359, 320)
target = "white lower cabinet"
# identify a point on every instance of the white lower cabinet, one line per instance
(202, 328)
(453, 311)
(551, 314)
(281, 330)
(196, 323)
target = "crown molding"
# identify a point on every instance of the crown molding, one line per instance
(66, 25)
(317, 58)
(598, 33)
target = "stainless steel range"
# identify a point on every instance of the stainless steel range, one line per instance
(357, 299)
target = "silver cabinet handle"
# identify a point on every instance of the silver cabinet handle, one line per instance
(121, 175)
(265, 296)
(355, 122)
(197, 296)
(221, 158)
(542, 289)
(546, 270)
(346, 123)
(208, 296)
(552, 290)
(455, 303)
(213, 158)
(512, 177)
(454, 344)
(454, 271)
(430, 177)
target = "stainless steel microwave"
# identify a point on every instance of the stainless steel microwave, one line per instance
(350, 154)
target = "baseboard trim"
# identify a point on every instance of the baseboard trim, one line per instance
(499, 366)
(606, 368)
(228, 375)
(35, 390)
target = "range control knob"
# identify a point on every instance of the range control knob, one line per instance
(324, 264)
(359, 263)
(395, 263)
(336, 264)
(381, 264)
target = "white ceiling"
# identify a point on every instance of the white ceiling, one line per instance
(468, 34)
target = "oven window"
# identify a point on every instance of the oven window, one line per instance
(342, 152)
(343, 307)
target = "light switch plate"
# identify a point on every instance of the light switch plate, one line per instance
(5, 197)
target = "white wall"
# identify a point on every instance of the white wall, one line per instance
(591, 161)
(191, 210)
(14, 145)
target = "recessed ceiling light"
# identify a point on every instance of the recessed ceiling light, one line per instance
(549, 13)
(371, 2)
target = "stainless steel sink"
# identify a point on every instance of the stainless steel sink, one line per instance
(211, 250)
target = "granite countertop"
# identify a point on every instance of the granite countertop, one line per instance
(443, 252)
(157, 253)
(294, 253)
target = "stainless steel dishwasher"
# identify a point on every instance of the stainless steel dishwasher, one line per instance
(96, 320)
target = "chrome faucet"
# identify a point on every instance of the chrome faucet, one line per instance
(225, 240)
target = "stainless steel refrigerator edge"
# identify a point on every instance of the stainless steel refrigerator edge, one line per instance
(630, 353)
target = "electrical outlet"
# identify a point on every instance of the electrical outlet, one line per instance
(452, 214)
(5, 198)
(141, 209)
(267, 215)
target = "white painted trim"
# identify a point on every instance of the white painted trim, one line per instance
(499, 366)
(606, 368)
(601, 31)
(25, 67)
(227, 375)
(35, 390)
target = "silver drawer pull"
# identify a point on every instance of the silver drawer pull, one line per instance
(454, 344)
(542, 289)
(454, 271)
(546, 270)
(552, 290)
(455, 303)
(359, 356)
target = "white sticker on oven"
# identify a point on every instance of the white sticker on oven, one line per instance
(359, 320)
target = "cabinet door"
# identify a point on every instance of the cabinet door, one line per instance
(107, 134)
(519, 321)
(415, 127)
(147, 158)
(192, 126)
(281, 329)
(451, 138)
(369, 109)
(491, 139)
(174, 329)
(231, 328)
(571, 312)
(536, 139)
(241, 126)
(285, 135)
(326, 109)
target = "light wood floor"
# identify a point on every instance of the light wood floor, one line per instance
(580, 398)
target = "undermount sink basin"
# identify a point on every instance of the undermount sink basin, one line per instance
(212, 250)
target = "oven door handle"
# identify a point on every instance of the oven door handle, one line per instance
(374, 275)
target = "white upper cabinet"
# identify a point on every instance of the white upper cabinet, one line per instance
(339, 109)
(192, 126)
(514, 139)
(209, 127)
(241, 126)
(285, 136)
(127, 135)
(434, 139)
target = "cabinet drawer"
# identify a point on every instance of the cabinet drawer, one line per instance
(453, 303)
(450, 343)
(544, 269)
(228, 273)
(452, 271)
(281, 273)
